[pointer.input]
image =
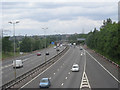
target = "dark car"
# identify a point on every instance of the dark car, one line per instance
(44, 83)
(57, 49)
(38, 54)
(47, 53)
(81, 49)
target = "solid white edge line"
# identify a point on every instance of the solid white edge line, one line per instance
(85, 61)
(103, 67)
(44, 71)
(84, 72)
(7, 66)
(85, 69)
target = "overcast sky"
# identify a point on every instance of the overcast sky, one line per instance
(60, 17)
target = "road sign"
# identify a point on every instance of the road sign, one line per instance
(52, 43)
(81, 39)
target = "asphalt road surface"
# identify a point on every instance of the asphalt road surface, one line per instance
(99, 73)
(8, 73)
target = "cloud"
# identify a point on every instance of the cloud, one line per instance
(28, 26)
(64, 17)
(66, 11)
(59, 1)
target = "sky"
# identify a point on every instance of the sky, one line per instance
(60, 17)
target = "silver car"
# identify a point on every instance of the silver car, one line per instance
(75, 68)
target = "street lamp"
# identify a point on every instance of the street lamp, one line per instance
(57, 40)
(14, 23)
(45, 41)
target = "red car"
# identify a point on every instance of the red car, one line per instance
(38, 54)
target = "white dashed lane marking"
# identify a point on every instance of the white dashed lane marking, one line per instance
(50, 78)
(43, 71)
(62, 84)
(69, 73)
(66, 78)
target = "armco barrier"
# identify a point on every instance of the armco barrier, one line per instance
(34, 70)
(108, 59)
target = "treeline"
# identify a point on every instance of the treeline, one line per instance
(27, 44)
(73, 38)
(106, 40)
(31, 44)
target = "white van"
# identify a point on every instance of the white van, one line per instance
(17, 63)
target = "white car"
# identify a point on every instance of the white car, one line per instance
(55, 47)
(17, 63)
(61, 45)
(75, 68)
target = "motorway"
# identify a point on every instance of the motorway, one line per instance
(29, 62)
(98, 72)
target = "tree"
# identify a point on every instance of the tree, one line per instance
(107, 40)
(26, 44)
(6, 45)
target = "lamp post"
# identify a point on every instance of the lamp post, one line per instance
(19, 43)
(14, 23)
(45, 41)
(57, 40)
